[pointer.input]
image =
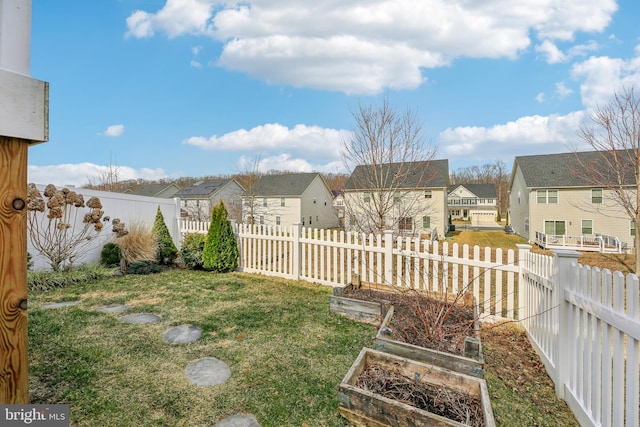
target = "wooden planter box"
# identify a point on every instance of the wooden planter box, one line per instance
(364, 408)
(356, 309)
(472, 363)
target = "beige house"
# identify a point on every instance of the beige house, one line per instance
(551, 203)
(408, 198)
(288, 199)
(476, 203)
(197, 200)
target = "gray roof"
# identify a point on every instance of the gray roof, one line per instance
(425, 174)
(202, 189)
(290, 184)
(482, 191)
(568, 169)
(152, 190)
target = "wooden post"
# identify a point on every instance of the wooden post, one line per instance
(14, 384)
(24, 120)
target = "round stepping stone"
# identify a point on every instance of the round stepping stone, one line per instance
(182, 334)
(113, 308)
(238, 420)
(207, 371)
(61, 304)
(140, 318)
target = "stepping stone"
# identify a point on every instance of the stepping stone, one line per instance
(140, 318)
(182, 334)
(238, 420)
(207, 371)
(61, 304)
(113, 308)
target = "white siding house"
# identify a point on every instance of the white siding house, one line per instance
(197, 200)
(287, 199)
(474, 202)
(549, 197)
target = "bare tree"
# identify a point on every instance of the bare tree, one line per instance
(615, 136)
(248, 180)
(389, 157)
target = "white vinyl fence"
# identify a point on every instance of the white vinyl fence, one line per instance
(584, 323)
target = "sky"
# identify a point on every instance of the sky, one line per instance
(177, 88)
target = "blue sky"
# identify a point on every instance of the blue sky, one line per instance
(170, 88)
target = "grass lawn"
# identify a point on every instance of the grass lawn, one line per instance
(287, 352)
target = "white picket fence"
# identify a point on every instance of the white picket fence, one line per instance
(584, 323)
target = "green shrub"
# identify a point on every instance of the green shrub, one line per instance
(144, 267)
(29, 261)
(220, 252)
(167, 251)
(42, 280)
(110, 255)
(191, 252)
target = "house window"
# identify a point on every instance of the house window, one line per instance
(426, 222)
(261, 220)
(428, 194)
(555, 228)
(339, 202)
(277, 220)
(282, 201)
(587, 226)
(309, 219)
(547, 196)
(367, 197)
(396, 197)
(526, 225)
(264, 202)
(596, 195)
(632, 228)
(405, 223)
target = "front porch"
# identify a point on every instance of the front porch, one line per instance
(585, 243)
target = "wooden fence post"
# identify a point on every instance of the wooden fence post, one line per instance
(388, 257)
(24, 108)
(562, 276)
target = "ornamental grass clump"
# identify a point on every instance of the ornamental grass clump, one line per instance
(220, 252)
(62, 227)
(138, 243)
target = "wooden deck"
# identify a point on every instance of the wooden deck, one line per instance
(597, 243)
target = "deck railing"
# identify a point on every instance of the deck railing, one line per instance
(588, 243)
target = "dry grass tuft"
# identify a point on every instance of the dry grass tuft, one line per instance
(139, 245)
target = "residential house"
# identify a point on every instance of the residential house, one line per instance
(476, 203)
(165, 190)
(338, 206)
(550, 196)
(409, 198)
(287, 199)
(197, 200)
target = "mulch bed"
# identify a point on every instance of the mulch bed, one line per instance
(439, 400)
(423, 321)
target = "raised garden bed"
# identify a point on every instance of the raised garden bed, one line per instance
(363, 310)
(424, 326)
(383, 389)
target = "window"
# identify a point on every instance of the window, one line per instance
(261, 220)
(396, 197)
(596, 195)
(339, 202)
(428, 194)
(426, 222)
(632, 228)
(587, 226)
(526, 225)
(547, 196)
(309, 219)
(277, 220)
(367, 197)
(405, 224)
(554, 228)
(264, 202)
(282, 201)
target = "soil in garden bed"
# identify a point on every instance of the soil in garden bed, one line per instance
(424, 321)
(451, 404)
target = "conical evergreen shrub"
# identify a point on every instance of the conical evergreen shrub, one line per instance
(220, 252)
(167, 251)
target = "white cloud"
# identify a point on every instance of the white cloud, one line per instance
(562, 90)
(113, 131)
(553, 55)
(527, 135)
(363, 49)
(540, 97)
(274, 138)
(285, 162)
(79, 174)
(602, 76)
